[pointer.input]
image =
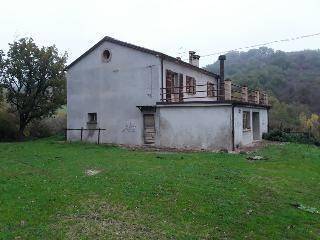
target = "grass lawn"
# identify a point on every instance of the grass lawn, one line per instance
(46, 193)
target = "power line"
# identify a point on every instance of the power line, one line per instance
(261, 44)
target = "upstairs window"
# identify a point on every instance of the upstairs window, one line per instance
(92, 118)
(210, 89)
(190, 85)
(246, 120)
(106, 55)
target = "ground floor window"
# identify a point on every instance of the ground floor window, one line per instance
(246, 120)
(92, 117)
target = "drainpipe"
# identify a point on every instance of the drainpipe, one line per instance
(161, 79)
(232, 134)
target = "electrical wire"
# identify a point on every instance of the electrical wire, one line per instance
(259, 45)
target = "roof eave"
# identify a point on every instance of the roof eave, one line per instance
(142, 49)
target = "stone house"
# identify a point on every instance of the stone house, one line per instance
(144, 97)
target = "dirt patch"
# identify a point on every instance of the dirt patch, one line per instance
(106, 221)
(165, 150)
(92, 172)
(255, 146)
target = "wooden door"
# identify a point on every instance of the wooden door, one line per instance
(149, 128)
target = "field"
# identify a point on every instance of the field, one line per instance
(50, 189)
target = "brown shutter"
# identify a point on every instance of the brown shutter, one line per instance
(194, 85)
(188, 84)
(180, 87)
(169, 85)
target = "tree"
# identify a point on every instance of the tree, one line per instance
(33, 79)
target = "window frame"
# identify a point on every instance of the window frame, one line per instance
(210, 89)
(92, 118)
(190, 85)
(246, 120)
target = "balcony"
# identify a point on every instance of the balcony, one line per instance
(227, 92)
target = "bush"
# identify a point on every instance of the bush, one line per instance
(8, 126)
(38, 129)
(48, 127)
(282, 136)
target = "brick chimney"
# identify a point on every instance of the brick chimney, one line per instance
(193, 58)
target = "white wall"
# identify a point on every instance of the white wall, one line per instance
(245, 137)
(207, 127)
(112, 90)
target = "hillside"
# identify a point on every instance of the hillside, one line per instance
(293, 77)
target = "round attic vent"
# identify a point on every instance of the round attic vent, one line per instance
(106, 55)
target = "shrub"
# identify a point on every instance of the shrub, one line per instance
(297, 137)
(48, 127)
(8, 126)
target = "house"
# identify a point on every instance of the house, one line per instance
(143, 97)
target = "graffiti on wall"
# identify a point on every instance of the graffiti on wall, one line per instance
(130, 126)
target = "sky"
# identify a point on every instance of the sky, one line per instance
(172, 27)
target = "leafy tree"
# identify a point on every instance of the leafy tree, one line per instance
(33, 80)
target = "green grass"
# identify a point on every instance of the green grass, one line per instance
(45, 193)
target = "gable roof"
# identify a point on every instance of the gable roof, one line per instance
(142, 49)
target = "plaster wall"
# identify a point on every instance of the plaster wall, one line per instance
(112, 90)
(200, 127)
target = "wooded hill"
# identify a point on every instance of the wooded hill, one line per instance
(292, 77)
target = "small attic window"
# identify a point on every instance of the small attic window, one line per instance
(106, 55)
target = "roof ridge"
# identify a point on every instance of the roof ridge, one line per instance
(142, 49)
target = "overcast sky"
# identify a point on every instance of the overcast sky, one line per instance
(169, 26)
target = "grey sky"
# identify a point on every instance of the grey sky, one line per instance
(169, 26)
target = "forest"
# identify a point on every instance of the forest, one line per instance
(292, 80)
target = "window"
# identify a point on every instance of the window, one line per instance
(92, 118)
(190, 85)
(210, 89)
(106, 55)
(246, 120)
(174, 86)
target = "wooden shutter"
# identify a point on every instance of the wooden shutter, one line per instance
(180, 87)
(209, 89)
(194, 86)
(188, 84)
(169, 85)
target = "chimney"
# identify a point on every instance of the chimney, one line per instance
(191, 53)
(193, 58)
(222, 58)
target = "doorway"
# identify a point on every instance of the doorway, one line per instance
(256, 126)
(149, 130)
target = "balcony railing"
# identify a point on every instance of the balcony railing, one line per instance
(228, 91)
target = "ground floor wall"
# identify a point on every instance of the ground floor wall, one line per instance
(123, 125)
(258, 125)
(199, 127)
(194, 126)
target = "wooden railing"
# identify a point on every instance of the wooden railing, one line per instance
(227, 91)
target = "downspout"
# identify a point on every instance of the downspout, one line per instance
(161, 79)
(232, 120)
(268, 126)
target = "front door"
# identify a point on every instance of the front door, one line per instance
(149, 128)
